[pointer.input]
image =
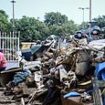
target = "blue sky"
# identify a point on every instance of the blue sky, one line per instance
(38, 8)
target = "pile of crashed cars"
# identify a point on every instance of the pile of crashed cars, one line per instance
(58, 73)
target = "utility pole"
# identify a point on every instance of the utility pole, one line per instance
(90, 10)
(83, 9)
(13, 12)
(90, 18)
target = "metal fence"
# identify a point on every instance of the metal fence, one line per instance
(9, 43)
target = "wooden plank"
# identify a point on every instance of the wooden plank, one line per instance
(11, 70)
(6, 101)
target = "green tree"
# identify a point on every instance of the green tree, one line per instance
(65, 29)
(59, 24)
(31, 29)
(55, 18)
(69, 28)
(83, 25)
(100, 21)
(3, 20)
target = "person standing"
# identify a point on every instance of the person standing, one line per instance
(3, 61)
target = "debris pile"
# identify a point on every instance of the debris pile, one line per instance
(54, 73)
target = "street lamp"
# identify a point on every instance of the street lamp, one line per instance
(13, 2)
(90, 10)
(83, 9)
(90, 18)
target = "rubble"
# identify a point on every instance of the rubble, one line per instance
(54, 72)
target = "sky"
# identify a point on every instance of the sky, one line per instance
(38, 8)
